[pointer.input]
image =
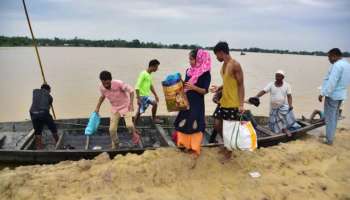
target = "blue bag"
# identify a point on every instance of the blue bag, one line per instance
(171, 79)
(94, 122)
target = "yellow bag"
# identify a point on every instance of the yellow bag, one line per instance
(175, 97)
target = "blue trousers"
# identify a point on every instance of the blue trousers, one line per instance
(331, 114)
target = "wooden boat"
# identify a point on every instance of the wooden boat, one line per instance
(17, 139)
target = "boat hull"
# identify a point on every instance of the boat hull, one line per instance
(18, 139)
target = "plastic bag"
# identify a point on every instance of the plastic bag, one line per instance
(94, 122)
(239, 135)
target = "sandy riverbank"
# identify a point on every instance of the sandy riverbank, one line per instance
(304, 169)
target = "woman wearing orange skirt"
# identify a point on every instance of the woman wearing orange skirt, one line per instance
(190, 124)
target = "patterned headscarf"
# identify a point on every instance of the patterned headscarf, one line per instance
(203, 64)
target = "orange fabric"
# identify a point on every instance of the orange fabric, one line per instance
(190, 141)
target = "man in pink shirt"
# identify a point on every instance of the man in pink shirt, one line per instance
(121, 97)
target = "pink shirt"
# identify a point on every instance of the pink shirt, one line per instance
(118, 96)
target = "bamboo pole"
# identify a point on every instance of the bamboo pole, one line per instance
(37, 51)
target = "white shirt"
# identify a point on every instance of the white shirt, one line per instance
(278, 95)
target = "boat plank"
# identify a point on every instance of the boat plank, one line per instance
(87, 142)
(59, 141)
(2, 139)
(165, 137)
(304, 123)
(265, 130)
(27, 138)
(311, 126)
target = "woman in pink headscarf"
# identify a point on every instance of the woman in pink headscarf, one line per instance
(190, 124)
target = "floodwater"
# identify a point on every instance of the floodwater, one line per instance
(73, 73)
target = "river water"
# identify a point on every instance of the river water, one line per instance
(73, 73)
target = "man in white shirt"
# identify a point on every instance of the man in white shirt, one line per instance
(281, 114)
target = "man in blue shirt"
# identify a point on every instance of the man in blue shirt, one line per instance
(334, 89)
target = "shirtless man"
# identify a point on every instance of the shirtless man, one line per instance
(231, 104)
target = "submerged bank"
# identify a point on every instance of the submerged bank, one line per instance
(303, 169)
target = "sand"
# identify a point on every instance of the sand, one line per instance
(303, 169)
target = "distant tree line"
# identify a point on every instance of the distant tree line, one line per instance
(78, 42)
(278, 51)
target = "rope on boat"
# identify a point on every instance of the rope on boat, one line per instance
(37, 51)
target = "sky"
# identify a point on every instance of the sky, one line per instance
(273, 24)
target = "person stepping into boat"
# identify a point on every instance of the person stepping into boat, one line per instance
(281, 108)
(190, 124)
(144, 87)
(40, 114)
(121, 97)
(231, 103)
(334, 89)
